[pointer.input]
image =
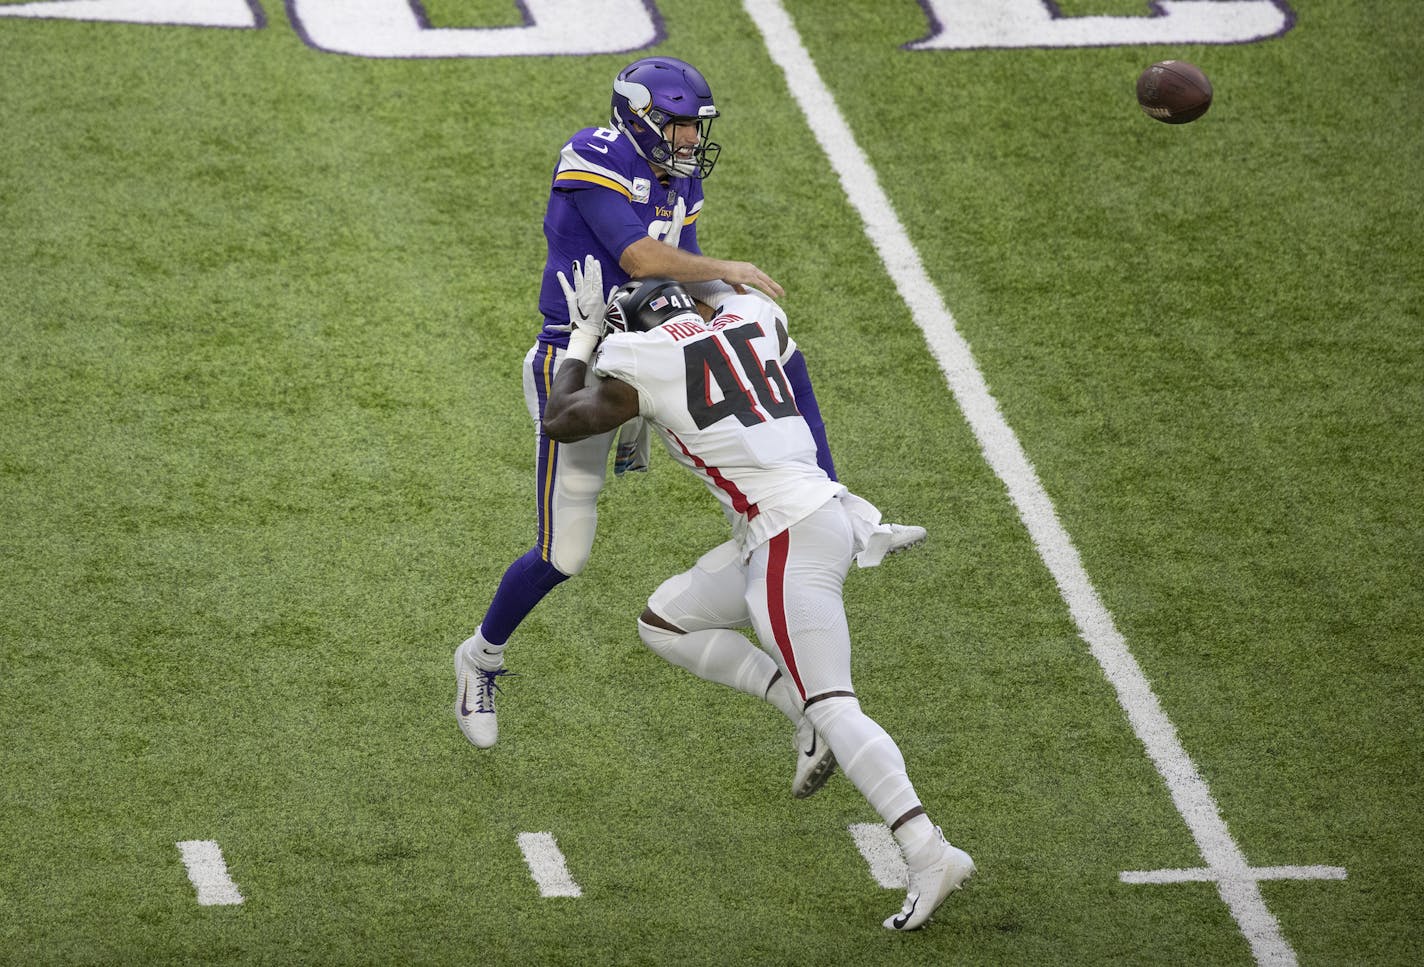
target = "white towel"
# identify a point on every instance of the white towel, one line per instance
(634, 447)
(872, 538)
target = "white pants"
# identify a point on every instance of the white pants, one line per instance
(569, 476)
(789, 592)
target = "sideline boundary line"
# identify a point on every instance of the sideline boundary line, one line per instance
(1236, 882)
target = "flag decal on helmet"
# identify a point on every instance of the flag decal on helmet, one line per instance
(639, 305)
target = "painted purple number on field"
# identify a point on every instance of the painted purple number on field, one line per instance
(174, 13)
(976, 24)
(401, 28)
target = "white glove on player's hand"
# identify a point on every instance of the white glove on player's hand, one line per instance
(674, 232)
(588, 305)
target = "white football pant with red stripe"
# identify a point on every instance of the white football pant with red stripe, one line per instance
(790, 592)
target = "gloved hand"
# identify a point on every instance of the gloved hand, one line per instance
(588, 307)
(674, 232)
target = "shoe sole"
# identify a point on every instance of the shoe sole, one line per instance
(906, 546)
(816, 779)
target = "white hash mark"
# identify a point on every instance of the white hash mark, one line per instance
(208, 871)
(547, 865)
(877, 844)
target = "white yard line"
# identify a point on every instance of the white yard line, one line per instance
(1238, 888)
(208, 871)
(1255, 873)
(546, 864)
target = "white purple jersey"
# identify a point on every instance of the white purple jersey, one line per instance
(604, 197)
(720, 401)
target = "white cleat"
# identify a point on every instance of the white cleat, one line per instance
(903, 536)
(474, 699)
(814, 760)
(930, 886)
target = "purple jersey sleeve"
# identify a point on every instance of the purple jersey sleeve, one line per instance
(603, 197)
(610, 217)
(800, 379)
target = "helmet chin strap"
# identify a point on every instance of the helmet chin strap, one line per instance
(688, 168)
(675, 168)
(693, 166)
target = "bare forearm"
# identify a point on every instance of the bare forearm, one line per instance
(562, 420)
(648, 257)
(578, 409)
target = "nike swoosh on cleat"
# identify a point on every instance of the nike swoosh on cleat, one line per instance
(811, 751)
(464, 691)
(904, 918)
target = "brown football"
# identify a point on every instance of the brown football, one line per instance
(1173, 91)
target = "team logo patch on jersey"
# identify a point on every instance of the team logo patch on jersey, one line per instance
(642, 189)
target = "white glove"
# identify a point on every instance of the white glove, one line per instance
(588, 307)
(674, 232)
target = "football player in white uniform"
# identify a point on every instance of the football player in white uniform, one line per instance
(715, 391)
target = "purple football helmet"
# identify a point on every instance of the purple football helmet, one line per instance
(649, 93)
(642, 304)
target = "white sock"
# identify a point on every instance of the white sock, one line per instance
(722, 656)
(867, 755)
(783, 696)
(918, 841)
(487, 656)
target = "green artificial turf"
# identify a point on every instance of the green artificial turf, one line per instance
(264, 457)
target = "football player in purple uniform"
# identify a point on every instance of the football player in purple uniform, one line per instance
(714, 388)
(630, 196)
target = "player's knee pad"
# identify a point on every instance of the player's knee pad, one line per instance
(569, 502)
(574, 519)
(661, 641)
(570, 553)
(709, 595)
(665, 601)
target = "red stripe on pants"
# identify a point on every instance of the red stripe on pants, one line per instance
(778, 547)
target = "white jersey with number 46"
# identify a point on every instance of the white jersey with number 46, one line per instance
(720, 401)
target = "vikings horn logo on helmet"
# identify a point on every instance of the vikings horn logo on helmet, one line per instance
(650, 93)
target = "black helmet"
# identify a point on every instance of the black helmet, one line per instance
(642, 304)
